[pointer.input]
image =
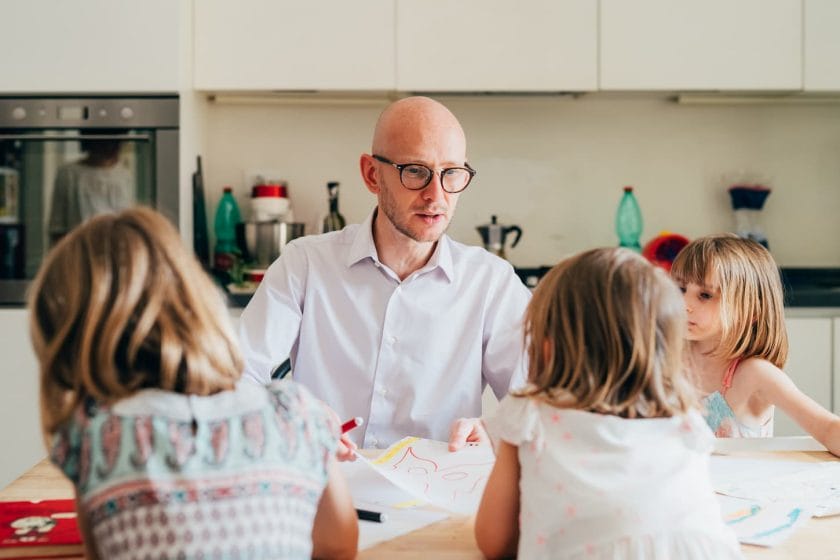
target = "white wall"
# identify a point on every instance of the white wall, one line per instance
(556, 166)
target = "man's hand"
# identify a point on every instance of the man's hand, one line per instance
(467, 430)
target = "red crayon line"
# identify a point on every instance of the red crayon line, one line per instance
(352, 423)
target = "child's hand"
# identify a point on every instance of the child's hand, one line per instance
(467, 430)
(346, 449)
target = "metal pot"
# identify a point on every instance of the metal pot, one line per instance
(264, 241)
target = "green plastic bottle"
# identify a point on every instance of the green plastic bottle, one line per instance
(224, 226)
(628, 221)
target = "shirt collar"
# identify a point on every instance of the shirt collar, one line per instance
(363, 247)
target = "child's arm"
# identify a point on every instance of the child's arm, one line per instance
(335, 533)
(497, 520)
(775, 387)
(85, 531)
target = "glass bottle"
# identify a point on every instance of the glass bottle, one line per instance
(628, 221)
(333, 221)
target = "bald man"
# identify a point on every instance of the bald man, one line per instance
(392, 320)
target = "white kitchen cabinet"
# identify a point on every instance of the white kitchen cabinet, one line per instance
(822, 45)
(708, 45)
(271, 45)
(20, 425)
(90, 46)
(809, 365)
(496, 45)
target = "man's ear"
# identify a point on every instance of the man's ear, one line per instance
(370, 175)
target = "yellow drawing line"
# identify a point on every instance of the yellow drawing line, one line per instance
(409, 504)
(396, 448)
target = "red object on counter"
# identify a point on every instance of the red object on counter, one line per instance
(269, 190)
(663, 249)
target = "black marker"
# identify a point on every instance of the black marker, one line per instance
(367, 515)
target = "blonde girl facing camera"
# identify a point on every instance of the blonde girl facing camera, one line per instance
(737, 340)
(603, 454)
(142, 410)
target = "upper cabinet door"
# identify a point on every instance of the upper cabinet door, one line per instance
(271, 44)
(92, 46)
(822, 45)
(701, 45)
(497, 45)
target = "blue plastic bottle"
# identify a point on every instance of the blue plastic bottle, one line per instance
(224, 226)
(628, 221)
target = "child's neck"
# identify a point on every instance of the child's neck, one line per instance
(709, 370)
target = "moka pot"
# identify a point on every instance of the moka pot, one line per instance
(494, 236)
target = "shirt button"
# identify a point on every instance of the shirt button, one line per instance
(382, 391)
(374, 442)
(392, 339)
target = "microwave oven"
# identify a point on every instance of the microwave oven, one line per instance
(66, 158)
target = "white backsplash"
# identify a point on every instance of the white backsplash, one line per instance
(556, 166)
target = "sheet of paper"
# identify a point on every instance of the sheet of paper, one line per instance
(762, 524)
(427, 470)
(372, 491)
(815, 486)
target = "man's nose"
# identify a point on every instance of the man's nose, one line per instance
(434, 190)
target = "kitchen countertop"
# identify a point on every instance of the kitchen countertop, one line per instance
(812, 288)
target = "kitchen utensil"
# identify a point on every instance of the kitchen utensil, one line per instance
(264, 241)
(494, 235)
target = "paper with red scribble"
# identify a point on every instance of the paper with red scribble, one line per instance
(429, 471)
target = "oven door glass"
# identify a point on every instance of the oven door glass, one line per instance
(53, 180)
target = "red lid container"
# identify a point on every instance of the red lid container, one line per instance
(270, 190)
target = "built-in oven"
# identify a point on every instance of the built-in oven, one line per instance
(65, 159)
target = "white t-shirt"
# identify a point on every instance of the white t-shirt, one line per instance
(596, 486)
(408, 356)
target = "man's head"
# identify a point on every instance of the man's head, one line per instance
(416, 130)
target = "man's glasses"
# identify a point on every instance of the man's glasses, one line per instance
(415, 176)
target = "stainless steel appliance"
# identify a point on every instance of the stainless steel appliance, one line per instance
(71, 157)
(494, 236)
(264, 241)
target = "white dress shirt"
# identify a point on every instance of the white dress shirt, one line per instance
(408, 356)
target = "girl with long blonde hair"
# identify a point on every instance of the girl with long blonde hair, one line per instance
(142, 410)
(603, 454)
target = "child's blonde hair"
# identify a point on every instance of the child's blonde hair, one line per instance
(605, 333)
(119, 305)
(752, 300)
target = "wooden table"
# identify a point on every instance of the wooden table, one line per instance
(452, 538)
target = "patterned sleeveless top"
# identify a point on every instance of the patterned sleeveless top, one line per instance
(722, 420)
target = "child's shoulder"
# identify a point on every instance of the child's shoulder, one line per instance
(753, 370)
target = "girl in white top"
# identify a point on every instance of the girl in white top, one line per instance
(737, 341)
(603, 454)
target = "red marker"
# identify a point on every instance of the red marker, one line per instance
(352, 423)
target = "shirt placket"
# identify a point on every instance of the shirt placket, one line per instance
(386, 374)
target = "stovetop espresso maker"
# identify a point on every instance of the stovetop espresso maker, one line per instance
(494, 236)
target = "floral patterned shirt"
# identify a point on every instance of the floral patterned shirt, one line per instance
(237, 474)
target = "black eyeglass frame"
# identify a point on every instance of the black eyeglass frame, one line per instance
(400, 166)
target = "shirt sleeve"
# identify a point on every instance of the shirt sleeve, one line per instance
(269, 326)
(504, 360)
(66, 446)
(516, 421)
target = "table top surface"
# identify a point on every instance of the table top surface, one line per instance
(452, 538)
